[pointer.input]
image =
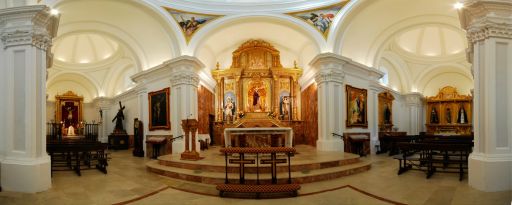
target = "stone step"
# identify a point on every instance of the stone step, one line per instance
(303, 176)
(219, 165)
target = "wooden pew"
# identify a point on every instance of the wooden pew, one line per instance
(430, 156)
(73, 154)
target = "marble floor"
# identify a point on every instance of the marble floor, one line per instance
(128, 182)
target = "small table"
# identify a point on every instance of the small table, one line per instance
(156, 142)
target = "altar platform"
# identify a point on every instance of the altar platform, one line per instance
(308, 165)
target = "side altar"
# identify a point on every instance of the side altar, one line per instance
(256, 91)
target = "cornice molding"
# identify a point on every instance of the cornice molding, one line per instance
(414, 99)
(183, 65)
(330, 62)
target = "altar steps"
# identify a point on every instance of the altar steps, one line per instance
(308, 166)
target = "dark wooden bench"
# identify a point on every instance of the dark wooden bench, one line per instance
(430, 156)
(77, 155)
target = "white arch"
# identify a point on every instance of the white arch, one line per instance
(114, 74)
(177, 41)
(217, 24)
(334, 40)
(401, 68)
(113, 32)
(386, 36)
(431, 72)
(85, 78)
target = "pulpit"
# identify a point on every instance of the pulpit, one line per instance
(190, 126)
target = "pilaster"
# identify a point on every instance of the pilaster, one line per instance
(329, 78)
(373, 115)
(26, 34)
(103, 106)
(489, 31)
(184, 83)
(414, 103)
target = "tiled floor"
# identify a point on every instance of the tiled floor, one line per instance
(128, 179)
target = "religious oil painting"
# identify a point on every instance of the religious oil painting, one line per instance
(357, 115)
(257, 95)
(159, 110)
(321, 18)
(190, 22)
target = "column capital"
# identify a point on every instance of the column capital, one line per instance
(28, 25)
(483, 19)
(413, 99)
(184, 77)
(329, 75)
(102, 102)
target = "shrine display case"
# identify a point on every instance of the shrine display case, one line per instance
(449, 113)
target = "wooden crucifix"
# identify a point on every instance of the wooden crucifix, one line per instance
(241, 161)
(273, 161)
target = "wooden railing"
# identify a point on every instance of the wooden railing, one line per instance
(258, 156)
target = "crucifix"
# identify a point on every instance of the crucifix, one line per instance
(273, 161)
(241, 161)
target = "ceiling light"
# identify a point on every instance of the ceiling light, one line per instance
(458, 5)
(54, 12)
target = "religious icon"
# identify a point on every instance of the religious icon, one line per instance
(229, 109)
(387, 114)
(356, 107)
(433, 116)
(189, 22)
(285, 107)
(462, 117)
(448, 115)
(321, 18)
(159, 109)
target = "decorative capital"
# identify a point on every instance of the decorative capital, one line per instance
(329, 75)
(29, 25)
(483, 19)
(184, 78)
(413, 99)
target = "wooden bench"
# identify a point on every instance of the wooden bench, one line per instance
(430, 156)
(71, 155)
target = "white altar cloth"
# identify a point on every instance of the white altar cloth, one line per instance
(288, 133)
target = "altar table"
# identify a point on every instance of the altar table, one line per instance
(288, 133)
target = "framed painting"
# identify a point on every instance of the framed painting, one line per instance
(159, 110)
(357, 115)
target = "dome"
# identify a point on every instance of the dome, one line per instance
(432, 41)
(84, 48)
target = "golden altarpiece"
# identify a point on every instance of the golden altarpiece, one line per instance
(449, 113)
(256, 91)
(68, 110)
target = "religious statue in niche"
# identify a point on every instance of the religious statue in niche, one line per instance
(119, 119)
(284, 107)
(387, 114)
(448, 115)
(434, 119)
(257, 96)
(462, 117)
(229, 109)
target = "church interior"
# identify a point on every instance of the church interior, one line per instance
(228, 101)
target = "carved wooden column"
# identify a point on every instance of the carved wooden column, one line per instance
(239, 95)
(190, 126)
(276, 95)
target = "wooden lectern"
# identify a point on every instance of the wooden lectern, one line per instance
(190, 126)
